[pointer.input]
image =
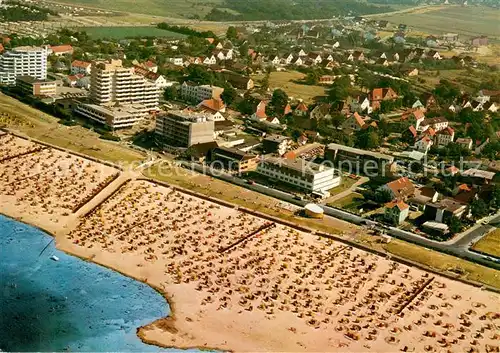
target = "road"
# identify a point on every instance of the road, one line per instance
(457, 248)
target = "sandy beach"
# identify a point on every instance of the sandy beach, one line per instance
(239, 282)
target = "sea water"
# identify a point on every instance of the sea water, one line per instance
(70, 304)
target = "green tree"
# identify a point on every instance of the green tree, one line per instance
(495, 197)
(478, 209)
(455, 224)
(170, 93)
(231, 33)
(229, 95)
(279, 100)
(367, 138)
(339, 90)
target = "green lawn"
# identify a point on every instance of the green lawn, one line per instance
(174, 8)
(350, 202)
(128, 32)
(466, 21)
(489, 244)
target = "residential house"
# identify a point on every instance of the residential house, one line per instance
(378, 95)
(330, 64)
(353, 123)
(478, 177)
(410, 134)
(429, 101)
(400, 189)
(396, 212)
(61, 50)
(361, 104)
(479, 41)
(412, 72)
(154, 77)
(441, 211)
(275, 60)
(301, 109)
(260, 111)
(382, 62)
(491, 107)
(209, 60)
(238, 81)
(326, 79)
(437, 123)
(464, 142)
(444, 137)
(321, 111)
(424, 144)
(414, 116)
(212, 105)
(272, 120)
(315, 57)
(80, 67)
(434, 54)
(422, 197)
(356, 56)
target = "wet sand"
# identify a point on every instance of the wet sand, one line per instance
(238, 282)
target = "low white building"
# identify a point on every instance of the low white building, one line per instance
(124, 116)
(311, 177)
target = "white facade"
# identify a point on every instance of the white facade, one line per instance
(200, 93)
(114, 117)
(306, 175)
(23, 61)
(111, 82)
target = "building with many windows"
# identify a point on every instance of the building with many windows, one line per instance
(116, 117)
(198, 93)
(311, 177)
(38, 88)
(185, 129)
(110, 82)
(23, 61)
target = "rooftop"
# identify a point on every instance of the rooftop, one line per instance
(335, 146)
(300, 165)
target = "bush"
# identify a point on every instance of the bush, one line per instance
(109, 136)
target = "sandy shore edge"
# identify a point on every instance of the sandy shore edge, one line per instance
(55, 233)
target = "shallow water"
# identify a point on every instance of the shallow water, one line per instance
(69, 304)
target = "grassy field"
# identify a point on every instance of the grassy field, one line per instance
(490, 244)
(128, 32)
(284, 80)
(175, 8)
(46, 128)
(466, 21)
(443, 262)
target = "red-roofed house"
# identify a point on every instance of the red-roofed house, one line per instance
(396, 212)
(150, 66)
(400, 189)
(424, 144)
(355, 122)
(60, 50)
(381, 94)
(260, 112)
(212, 105)
(301, 109)
(80, 67)
(287, 110)
(444, 137)
(272, 120)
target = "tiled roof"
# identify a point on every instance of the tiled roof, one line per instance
(61, 48)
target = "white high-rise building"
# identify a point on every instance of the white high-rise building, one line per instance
(111, 83)
(23, 61)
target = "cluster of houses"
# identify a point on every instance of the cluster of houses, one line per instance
(437, 209)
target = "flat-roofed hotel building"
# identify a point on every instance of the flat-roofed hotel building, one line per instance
(111, 82)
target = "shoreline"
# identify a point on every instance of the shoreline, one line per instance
(163, 293)
(232, 277)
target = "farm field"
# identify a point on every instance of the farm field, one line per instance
(466, 21)
(284, 80)
(174, 8)
(129, 32)
(490, 244)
